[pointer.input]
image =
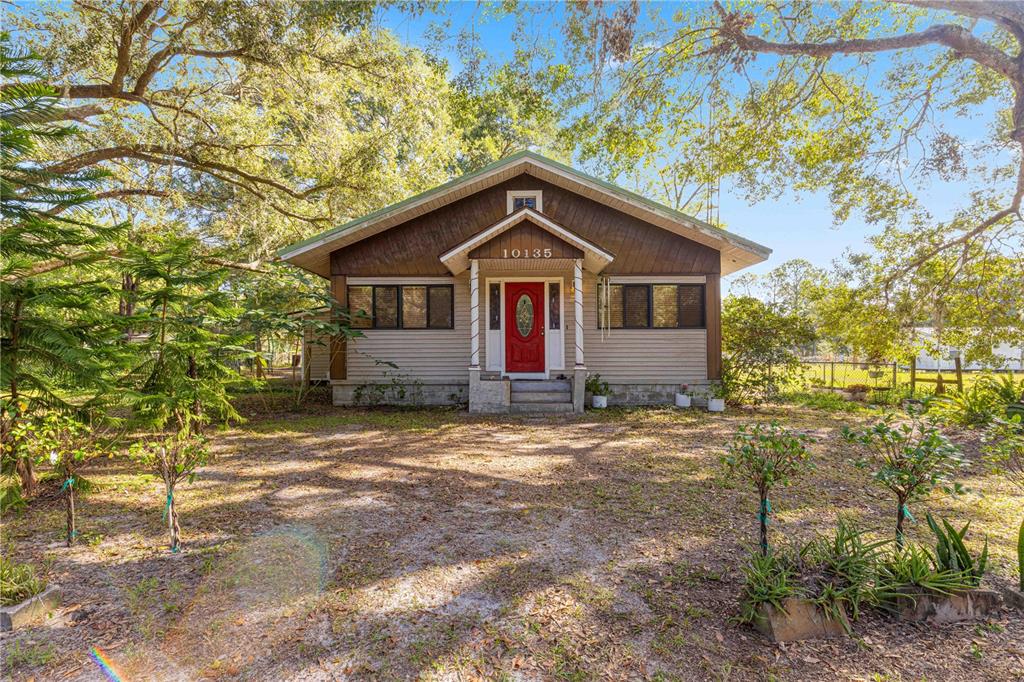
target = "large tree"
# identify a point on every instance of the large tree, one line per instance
(881, 105)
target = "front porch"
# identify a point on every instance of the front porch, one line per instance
(526, 352)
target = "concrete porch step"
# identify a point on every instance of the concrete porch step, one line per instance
(540, 385)
(541, 397)
(541, 408)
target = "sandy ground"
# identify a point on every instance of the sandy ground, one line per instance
(435, 545)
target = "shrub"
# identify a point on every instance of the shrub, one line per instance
(910, 459)
(595, 386)
(974, 406)
(18, 582)
(914, 567)
(845, 569)
(767, 455)
(760, 349)
(951, 554)
(767, 579)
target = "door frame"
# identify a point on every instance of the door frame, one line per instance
(546, 374)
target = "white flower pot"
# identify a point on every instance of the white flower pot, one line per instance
(599, 402)
(716, 404)
(682, 400)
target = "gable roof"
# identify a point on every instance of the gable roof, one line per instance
(313, 254)
(595, 258)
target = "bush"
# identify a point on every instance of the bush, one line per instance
(767, 579)
(767, 455)
(760, 349)
(18, 582)
(910, 459)
(951, 554)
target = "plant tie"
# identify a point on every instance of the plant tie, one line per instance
(766, 509)
(907, 514)
(70, 483)
(167, 507)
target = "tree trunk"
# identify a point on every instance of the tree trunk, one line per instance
(69, 511)
(900, 516)
(258, 347)
(172, 520)
(762, 517)
(22, 464)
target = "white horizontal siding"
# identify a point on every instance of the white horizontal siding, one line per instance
(425, 355)
(641, 356)
(498, 270)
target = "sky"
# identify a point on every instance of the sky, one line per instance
(793, 226)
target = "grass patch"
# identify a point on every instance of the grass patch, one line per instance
(829, 402)
(18, 582)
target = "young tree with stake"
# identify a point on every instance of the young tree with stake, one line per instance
(910, 459)
(767, 455)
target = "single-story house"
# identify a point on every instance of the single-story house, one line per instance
(506, 287)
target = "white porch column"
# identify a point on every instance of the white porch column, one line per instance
(474, 314)
(578, 296)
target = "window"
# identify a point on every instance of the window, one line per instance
(554, 306)
(652, 306)
(360, 305)
(531, 198)
(412, 306)
(494, 307)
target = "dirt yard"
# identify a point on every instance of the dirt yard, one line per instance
(435, 545)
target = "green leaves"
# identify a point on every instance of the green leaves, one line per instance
(768, 454)
(952, 555)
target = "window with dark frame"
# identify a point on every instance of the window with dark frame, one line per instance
(410, 306)
(652, 306)
(494, 306)
(554, 306)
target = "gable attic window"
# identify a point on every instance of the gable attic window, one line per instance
(526, 198)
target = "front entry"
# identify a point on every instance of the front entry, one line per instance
(524, 327)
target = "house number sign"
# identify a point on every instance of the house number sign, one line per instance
(526, 253)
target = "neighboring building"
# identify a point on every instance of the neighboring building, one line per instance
(1007, 357)
(506, 287)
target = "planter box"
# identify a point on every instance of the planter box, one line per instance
(599, 402)
(683, 400)
(947, 608)
(32, 609)
(716, 404)
(802, 619)
(1013, 597)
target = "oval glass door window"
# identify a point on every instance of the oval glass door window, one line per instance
(524, 315)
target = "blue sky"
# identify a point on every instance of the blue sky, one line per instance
(793, 226)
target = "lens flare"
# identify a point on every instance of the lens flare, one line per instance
(105, 665)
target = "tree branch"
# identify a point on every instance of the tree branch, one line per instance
(734, 26)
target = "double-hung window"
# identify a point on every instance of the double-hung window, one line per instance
(652, 306)
(402, 306)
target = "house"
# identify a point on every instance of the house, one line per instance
(506, 287)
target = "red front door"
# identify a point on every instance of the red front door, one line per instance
(524, 327)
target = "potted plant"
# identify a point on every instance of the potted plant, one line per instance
(716, 398)
(683, 397)
(598, 390)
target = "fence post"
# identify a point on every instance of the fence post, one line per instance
(894, 384)
(959, 374)
(832, 381)
(939, 388)
(913, 375)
